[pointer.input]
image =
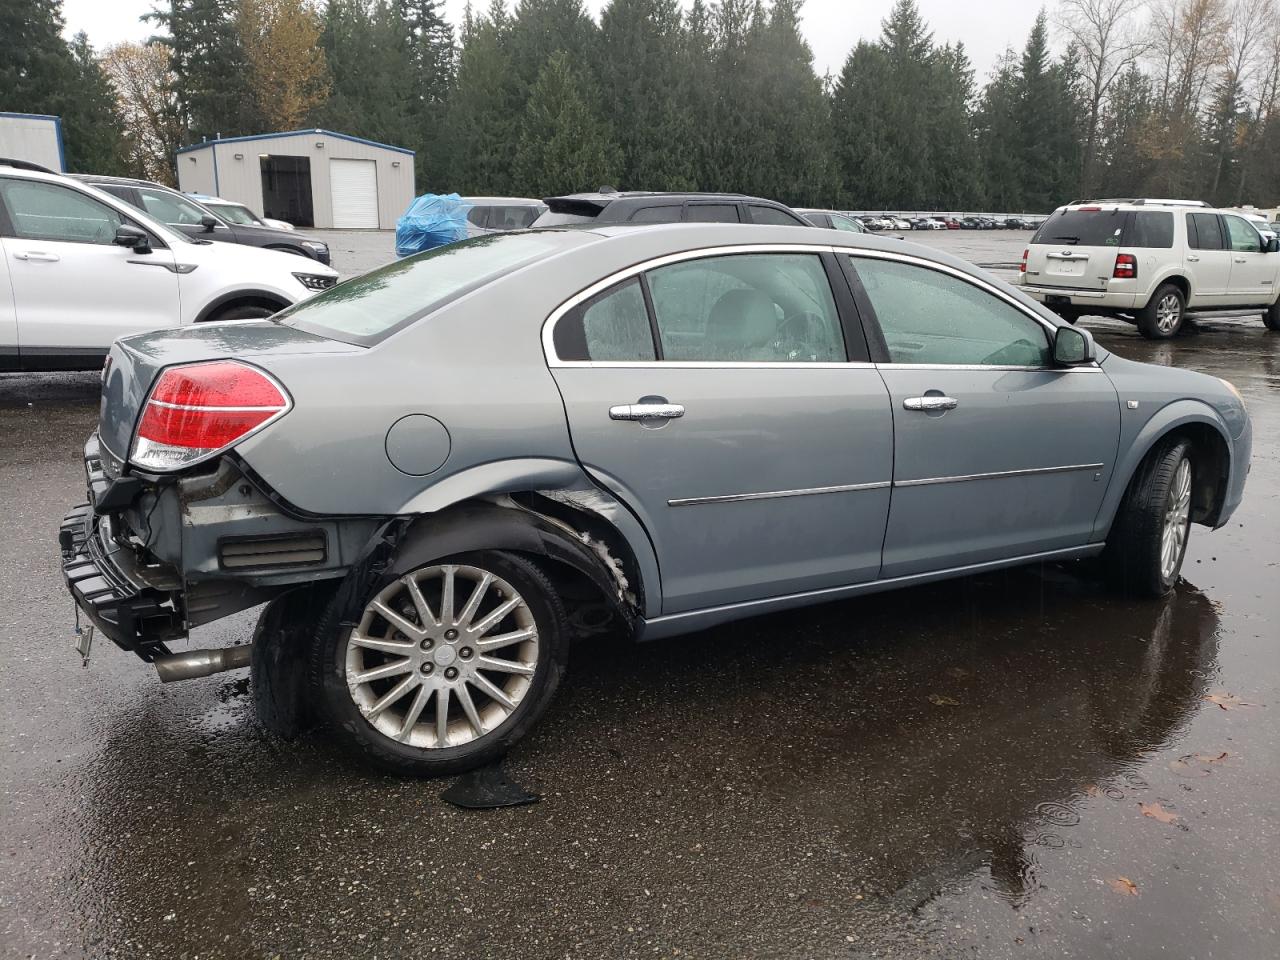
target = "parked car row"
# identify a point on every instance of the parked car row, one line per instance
(891, 222)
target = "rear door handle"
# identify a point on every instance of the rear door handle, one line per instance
(646, 411)
(1193, 259)
(930, 403)
(36, 255)
(1242, 259)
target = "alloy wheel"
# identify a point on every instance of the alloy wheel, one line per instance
(1168, 313)
(1177, 520)
(442, 656)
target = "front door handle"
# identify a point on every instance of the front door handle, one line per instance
(36, 255)
(1242, 259)
(646, 411)
(930, 403)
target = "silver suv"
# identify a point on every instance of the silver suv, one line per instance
(1149, 262)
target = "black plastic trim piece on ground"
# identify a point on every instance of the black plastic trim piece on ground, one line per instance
(487, 788)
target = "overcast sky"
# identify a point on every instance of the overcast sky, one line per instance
(832, 26)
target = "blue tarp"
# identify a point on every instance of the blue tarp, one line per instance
(431, 221)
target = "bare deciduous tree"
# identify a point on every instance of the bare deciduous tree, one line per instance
(145, 90)
(1109, 39)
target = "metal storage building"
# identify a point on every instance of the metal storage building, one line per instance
(311, 178)
(34, 137)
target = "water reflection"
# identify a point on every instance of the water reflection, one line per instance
(914, 740)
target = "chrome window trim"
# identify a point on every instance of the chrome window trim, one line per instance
(548, 327)
(855, 253)
(779, 494)
(626, 273)
(998, 474)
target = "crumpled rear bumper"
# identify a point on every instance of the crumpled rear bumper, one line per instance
(134, 616)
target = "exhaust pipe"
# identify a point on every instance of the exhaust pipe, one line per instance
(201, 663)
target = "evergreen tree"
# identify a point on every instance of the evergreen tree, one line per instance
(543, 27)
(482, 129)
(431, 55)
(564, 145)
(208, 58)
(41, 73)
(640, 42)
(998, 121)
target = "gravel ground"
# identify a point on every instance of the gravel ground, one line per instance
(978, 768)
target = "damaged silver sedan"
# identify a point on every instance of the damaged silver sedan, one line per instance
(437, 475)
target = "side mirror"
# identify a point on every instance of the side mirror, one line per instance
(208, 223)
(1073, 347)
(128, 235)
(1273, 245)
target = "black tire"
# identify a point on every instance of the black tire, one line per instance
(1153, 320)
(245, 311)
(1133, 556)
(328, 670)
(1271, 317)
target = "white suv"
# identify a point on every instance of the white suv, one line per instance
(81, 268)
(1149, 262)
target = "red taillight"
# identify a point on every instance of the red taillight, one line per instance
(1022, 267)
(1126, 266)
(199, 409)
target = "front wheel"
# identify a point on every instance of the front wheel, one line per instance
(1162, 317)
(448, 665)
(1272, 316)
(1148, 539)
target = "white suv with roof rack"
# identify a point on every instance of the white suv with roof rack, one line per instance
(1151, 261)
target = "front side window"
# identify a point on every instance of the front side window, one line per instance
(759, 307)
(612, 326)
(237, 214)
(932, 317)
(48, 211)
(1204, 231)
(1244, 239)
(168, 208)
(847, 224)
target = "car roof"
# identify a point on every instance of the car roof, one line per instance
(508, 201)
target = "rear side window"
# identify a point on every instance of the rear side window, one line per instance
(764, 307)
(611, 326)
(667, 214)
(1152, 228)
(713, 213)
(762, 214)
(512, 217)
(366, 309)
(1083, 228)
(1204, 231)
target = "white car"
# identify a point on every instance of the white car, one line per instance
(81, 268)
(239, 213)
(1150, 261)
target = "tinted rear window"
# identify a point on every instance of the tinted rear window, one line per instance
(1204, 231)
(375, 305)
(1108, 228)
(1083, 228)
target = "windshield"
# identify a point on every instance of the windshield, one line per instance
(368, 308)
(235, 213)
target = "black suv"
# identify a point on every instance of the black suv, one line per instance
(637, 206)
(196, 220)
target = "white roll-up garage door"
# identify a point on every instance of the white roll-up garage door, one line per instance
(354, 186)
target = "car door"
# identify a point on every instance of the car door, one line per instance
(1208, 261)
(717, 397)
(74, 290)
(1253, 271)
(181, 214)
(997, 453)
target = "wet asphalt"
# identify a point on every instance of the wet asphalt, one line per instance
(1015, 765)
